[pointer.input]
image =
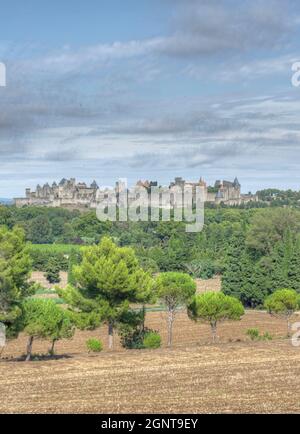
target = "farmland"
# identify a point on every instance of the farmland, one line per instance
(235, 375)
(111, 282)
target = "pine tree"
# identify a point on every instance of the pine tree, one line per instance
(15, 267)
(52, 271)
(74, 259)
(108, 279)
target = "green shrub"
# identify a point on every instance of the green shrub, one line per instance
(52, 271)
(43, 291)
(267, 337)
(75, 258)
(132, 330)
(253, 334)
(152, 340)
(131, 337)
(94, 345)
(41, 258)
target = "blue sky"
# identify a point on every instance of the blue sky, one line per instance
(149, 89)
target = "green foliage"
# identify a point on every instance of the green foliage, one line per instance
(279, 198)
(6, 216)
(267, 337)
(42, 291)
(131, 337)
(85, 320)
(52, 271)
(94, 345)
(255, 335)
(264, 258)
(88, 226)
(133, 333)
(132, 330)
(41, 254)
(74, 259)
(283, 302)
(43, 319)
(257, 251)
(40, 230)
(64, 249)
(15, 268)
(215, 307)
(293, 273)
(175, 289)
(236, 264)
(152, 340)
(203, 269)
(108, 279)
(270, 226)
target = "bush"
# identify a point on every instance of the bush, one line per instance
(267, 337)
(41, 257)
(94, 345)
(255, 335)
(132, 330)
(52, 271)
(131, 338)
(152, 340)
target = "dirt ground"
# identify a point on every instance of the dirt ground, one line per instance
(235, 375)
(186, 332)
(228, 378)
(39, 277)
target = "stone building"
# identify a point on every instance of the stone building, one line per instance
(226, 192)
(69, 194)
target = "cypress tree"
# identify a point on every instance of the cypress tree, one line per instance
(294, 268)
(233, 276)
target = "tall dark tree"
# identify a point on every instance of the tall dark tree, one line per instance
(52, 271)
(15, 266)
(294, 268)
(40, 230)
(233, 277)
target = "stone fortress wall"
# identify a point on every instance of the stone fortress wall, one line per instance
(69, 194)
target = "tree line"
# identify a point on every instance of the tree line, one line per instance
(256, 251)
(108, 283)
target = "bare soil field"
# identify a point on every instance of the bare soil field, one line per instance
(39, 277)
(235, 375)
(239, 378)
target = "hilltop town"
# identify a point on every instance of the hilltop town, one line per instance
(70, 194)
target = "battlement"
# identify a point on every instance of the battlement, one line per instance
(69, 193)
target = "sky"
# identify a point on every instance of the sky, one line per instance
(139, 89)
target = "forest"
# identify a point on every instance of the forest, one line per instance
(256, 250)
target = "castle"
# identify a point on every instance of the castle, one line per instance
(69, 194)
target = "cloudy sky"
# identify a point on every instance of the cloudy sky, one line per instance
(152, 89)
